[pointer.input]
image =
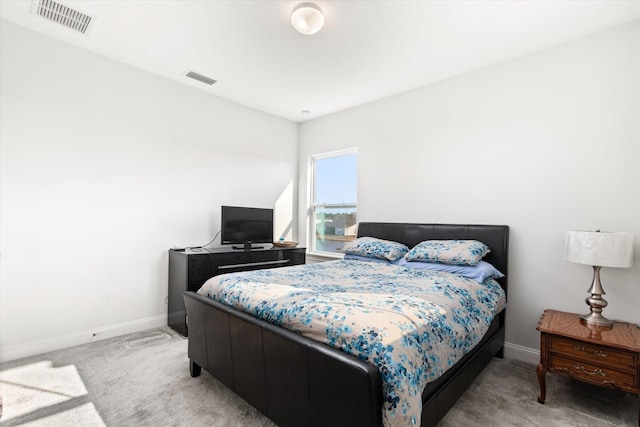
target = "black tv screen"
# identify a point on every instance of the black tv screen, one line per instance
(246, 225)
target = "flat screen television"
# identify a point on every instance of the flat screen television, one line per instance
(245, 226)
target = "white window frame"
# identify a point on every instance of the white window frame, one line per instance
(312, 206)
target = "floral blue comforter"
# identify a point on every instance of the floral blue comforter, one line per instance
(411, 324)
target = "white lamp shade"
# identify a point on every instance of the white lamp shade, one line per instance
(307, 18)
(599, 248)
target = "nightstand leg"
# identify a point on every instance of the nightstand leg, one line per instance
(542, 371)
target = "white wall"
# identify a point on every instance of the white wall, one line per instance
(544, 143)
(103, 168)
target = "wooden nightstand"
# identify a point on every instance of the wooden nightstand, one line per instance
(604, 356)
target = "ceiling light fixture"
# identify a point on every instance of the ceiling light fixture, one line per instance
(307, 18)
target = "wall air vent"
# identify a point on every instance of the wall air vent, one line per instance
(64, 15)
(200, 78)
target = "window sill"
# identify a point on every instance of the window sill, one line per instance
(322, 256)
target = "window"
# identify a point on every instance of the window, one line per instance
(334, 184)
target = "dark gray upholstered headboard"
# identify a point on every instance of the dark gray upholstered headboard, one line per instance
(495, 236)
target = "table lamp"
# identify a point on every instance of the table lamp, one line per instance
(598, 249)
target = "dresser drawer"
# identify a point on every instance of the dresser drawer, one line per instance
(592, 353)
(595, 374)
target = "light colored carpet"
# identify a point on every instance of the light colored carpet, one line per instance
(143, 379)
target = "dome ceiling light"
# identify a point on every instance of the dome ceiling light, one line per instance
(307, 18)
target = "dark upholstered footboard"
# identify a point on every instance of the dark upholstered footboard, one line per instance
(291, 379)
(294, 380)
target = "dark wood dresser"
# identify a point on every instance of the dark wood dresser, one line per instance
(189, 269)
(604, 356)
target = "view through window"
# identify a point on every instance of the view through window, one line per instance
(334, 200)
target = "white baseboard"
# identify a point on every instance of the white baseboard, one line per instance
(8, 353)
(526, 354)
(19, 351)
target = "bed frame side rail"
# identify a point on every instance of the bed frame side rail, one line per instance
(439, 401)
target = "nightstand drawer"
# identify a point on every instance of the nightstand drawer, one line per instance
(595, 374)
(591, 353)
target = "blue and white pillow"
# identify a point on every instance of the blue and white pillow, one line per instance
(479, 272)
(372, 247)
(453, 252)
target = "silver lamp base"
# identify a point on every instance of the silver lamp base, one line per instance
(596, 319)
(596, 302)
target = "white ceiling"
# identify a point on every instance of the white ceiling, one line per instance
(367, 50)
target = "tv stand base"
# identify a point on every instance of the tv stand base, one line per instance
(247, 247)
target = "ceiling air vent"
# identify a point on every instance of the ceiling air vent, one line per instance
(200, 78)
(64, 15)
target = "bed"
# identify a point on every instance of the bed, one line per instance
(297, 381)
